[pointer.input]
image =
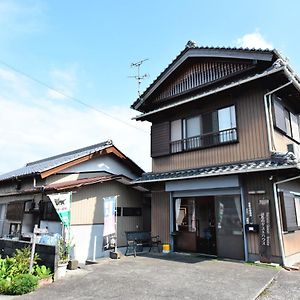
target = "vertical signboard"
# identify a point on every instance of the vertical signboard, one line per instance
(109, 230)
(62, 205)
(264, 230)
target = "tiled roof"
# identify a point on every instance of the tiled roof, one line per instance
(190, 45)
(276, 67)
(277, 161)
(54, 161)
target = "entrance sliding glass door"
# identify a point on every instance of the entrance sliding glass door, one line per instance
(229, 227)
(210, 225)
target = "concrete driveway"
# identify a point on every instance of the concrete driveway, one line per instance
(285, 286)
(169, 276)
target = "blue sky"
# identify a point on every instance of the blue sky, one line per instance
(85, 48)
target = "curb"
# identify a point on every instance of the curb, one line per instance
(267, 285)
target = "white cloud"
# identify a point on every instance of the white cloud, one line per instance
(253, 40)
(20, 17)
(39, 127)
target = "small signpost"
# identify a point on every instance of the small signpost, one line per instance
(36, 231)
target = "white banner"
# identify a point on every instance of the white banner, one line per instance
(62, 205)
(109, 215)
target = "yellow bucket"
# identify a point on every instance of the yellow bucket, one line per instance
(166, 248)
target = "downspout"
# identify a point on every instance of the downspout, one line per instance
(171, 221)
(34, 181)
(279, 225)
(243, 204)
(269, 119)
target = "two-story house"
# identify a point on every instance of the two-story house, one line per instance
(89, 174)
(225, 177)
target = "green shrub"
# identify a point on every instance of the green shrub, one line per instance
(42, 271)
(4, 285)
(22, 284)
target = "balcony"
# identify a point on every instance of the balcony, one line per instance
(205, 140)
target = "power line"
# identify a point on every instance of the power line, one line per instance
(75, 99)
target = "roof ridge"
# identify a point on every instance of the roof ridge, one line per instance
(102, 144)
(192, 45)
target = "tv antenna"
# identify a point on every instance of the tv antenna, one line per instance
(139, 77)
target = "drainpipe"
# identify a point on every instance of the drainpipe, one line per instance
(269, 119)
(277, 210)
(243, 204)
(171, 220)
(34, 181)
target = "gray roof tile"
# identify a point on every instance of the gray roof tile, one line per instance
(278, 160)
(39, 166)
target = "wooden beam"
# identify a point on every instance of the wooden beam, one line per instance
(77, 161)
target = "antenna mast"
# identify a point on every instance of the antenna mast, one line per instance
(139, 77)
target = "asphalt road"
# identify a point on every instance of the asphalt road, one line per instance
(159, 277)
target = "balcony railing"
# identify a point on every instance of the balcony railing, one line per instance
(204, 140)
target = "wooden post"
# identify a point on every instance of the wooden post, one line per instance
(33, 248)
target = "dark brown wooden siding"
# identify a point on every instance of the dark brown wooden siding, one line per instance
(160, 216)
(252, 135)
(200, 74)
(160, 139)
(261, 182)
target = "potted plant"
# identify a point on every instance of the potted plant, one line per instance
(63, 258)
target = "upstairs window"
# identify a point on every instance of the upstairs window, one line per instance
(285, 120)
(193, 131)
(227, 120)
(176, 136)
(204, 130)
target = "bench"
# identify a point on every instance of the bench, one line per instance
(136, 240)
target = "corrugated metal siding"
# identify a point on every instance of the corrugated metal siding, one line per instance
(160, 215)
(252, 135)
(87, 206)
(258, 182)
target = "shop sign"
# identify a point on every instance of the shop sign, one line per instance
(265, 230)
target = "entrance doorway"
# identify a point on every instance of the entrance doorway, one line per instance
(205, 225)
(209, 225)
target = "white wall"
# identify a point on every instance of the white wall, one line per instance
(106, 164)
(83, 238)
